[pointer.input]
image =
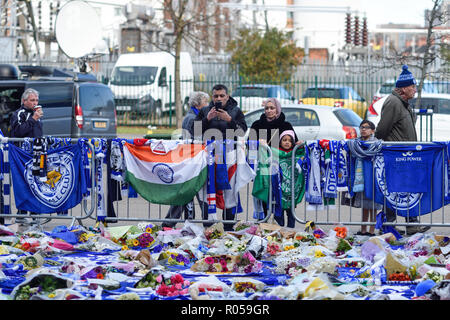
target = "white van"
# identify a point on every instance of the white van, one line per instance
(145, 82)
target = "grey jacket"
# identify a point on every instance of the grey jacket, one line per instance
(188, 124)
(397, 121)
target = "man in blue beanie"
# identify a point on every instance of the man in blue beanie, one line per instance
(397, 123)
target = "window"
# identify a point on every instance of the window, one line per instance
(322, 93)
(250, 92)
(301, 117)
(252, 117)
(347, 117)
(162, 82)
(95, 98)
(54, 94)
(129, 75)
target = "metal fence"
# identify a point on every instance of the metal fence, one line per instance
(126, 208)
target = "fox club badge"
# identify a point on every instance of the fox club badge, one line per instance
(60, 180)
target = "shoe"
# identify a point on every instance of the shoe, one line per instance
(416, 229)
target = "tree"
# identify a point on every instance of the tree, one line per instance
(265, 55)
(426, 58)
(188, 20)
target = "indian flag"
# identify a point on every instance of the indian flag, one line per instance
(172, 177)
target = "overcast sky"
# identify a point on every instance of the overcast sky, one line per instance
(395, 11)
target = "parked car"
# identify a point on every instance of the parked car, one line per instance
(71, 108)
(439, 103)
(337, 96)
(251, 96)
(386, 89)
(312, 122)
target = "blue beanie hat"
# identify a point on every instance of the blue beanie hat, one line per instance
(405, 79)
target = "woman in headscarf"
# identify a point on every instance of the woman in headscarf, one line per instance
(271, 124)
(268, 129)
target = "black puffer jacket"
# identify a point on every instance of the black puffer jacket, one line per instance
(237, 120)
(264, 129)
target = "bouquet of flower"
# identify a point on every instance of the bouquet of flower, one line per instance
(40, 284)
(93, 273)
(145, 240)
(247, 263)
(173, 286)
(219, 263)
(342, 247)
(247, 285)
(273, 248)
(216, 231)
(149, 280)
(177, 259)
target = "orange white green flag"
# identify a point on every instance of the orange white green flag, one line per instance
(167, 172)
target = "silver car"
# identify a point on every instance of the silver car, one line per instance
(313, 122)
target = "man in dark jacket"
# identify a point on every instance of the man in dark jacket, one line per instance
(221, 115)
(397, 123)
(26, 121)
(222, 119)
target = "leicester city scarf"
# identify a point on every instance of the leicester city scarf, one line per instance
(65, 183)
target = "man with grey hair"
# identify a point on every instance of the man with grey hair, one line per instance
(197, 100)
(26, 121)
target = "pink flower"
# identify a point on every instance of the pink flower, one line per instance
(209, 260)
(159, 278)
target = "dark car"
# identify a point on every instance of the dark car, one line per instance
(71, 108)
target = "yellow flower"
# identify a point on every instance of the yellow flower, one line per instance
(124, 247)
(289, 247)
(318, 254)
(51, 295)
(269, 238)
(148, 230)
(135, 242)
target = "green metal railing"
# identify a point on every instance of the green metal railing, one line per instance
(134, 108)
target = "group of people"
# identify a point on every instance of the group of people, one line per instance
(221, 118)
(397, 123)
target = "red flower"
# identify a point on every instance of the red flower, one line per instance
(163, 290)
(178, 278)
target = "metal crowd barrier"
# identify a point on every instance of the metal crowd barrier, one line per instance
(79, 213)
(347, 215)
(140, 210)
(130, 209)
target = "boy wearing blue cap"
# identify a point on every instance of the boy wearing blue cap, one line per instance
(397, 123)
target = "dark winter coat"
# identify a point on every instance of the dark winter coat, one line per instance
(267, 129)
(397, 122)
(237, 120)
(24, 126)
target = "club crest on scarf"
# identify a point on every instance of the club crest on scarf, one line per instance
(398, 200)
(59, 183)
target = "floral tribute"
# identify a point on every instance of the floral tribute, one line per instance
(174, 286)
